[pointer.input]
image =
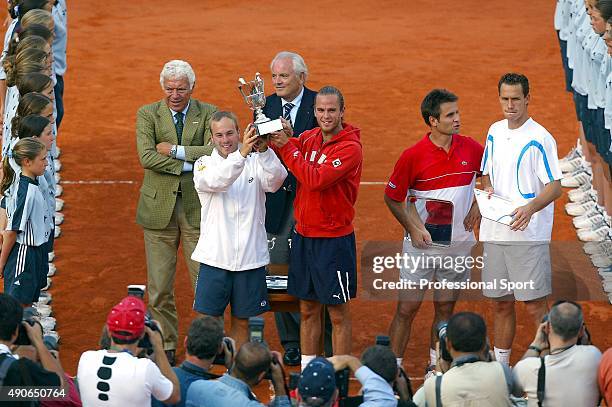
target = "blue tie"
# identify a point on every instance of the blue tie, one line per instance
(287, 113)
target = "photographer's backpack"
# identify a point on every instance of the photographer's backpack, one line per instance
(4, 367)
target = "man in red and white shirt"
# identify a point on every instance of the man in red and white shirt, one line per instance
(438, 174)
(326, 162)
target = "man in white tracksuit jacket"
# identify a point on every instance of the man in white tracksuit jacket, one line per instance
(233, 247)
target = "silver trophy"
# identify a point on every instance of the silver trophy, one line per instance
(255, 98)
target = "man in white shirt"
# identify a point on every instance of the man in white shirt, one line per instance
(570, 368)
(116, 377)
(520, 164)
(233, 248)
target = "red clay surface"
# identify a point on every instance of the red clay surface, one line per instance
(384, 56)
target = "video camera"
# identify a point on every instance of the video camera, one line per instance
(138, 290)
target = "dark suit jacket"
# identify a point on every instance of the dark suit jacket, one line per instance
(276, 203)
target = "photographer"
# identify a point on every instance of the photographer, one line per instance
(115, 376)
(376, 372)
(471, 377)
(204, 342)
(251, 365)
(23, 371)
(570, 368)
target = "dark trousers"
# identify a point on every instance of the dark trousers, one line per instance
(58, 89)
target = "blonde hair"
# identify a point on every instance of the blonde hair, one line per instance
(23, 60)
(37, 16)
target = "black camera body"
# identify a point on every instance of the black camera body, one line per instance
(28, 317)
(137, 290)
(220, 358)
(441, 330)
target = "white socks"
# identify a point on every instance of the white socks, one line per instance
(502, 355)
(306, 359)
(433, 357)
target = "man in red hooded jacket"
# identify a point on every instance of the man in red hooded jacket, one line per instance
(326, 162)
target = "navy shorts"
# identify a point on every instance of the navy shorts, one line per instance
(581, 103)
(323, 269)
(23, 273)
(568, 71)
(246, 291)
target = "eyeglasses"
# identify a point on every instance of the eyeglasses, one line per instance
(180, 91)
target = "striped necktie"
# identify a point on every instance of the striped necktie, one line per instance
(287, 111)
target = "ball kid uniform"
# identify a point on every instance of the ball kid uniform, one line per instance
(519, 162)
(427, 171)
(323, 264)
(49, 195)
(27, 215)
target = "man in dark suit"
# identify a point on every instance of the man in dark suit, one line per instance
(171, 135)
(294, 102)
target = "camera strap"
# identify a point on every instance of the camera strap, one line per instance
(541, 382)
(203, 374)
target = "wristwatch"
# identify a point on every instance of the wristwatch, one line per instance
(535, 348)
(173, 151)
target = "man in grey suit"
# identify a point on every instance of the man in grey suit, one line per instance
(295, 102)
(171, 135)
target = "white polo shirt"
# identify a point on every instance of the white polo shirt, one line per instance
(520, 163)
(608, 111)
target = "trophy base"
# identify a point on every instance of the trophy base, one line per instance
(267, 127)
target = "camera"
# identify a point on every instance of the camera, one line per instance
(29, 316)
(383, 340)
(256, 327)
(138, 290)
(220, 358)
(441, 331)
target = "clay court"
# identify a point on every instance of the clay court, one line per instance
(384, 56)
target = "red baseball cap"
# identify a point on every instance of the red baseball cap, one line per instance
(126, 319)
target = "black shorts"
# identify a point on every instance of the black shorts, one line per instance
(25, 272)
(323, 269)
(245, 291)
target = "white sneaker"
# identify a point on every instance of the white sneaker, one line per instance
(579, 190)
(597, 235)
(45, 298)
(574, 164)
(58, 165)
(59, 204)
(58, 178)
(58, 190)
(52, 270)
(577, 209)
(594, 223)
(42, 300)
(44, 310)
(58, 232)
(59, 218)
(573, 153)
(598, 247)
(51, 256)
(590, 216)
(45, 288)
(48, 323)
(576, 179)
(590, 195)
(602, 260)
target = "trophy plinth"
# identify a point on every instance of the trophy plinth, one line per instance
(255, 98)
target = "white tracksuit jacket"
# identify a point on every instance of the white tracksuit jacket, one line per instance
(232, 193)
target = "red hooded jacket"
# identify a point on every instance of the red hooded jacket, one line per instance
(328, 177)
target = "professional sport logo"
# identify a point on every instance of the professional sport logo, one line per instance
(392, 185)
(336, 163)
